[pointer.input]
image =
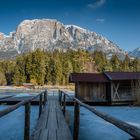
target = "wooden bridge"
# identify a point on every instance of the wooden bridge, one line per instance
(51, 124)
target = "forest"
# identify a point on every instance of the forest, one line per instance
(53, 68)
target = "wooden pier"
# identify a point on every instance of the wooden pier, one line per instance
(51, 124)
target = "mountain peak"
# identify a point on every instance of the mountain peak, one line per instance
(50, 34)
(75, 26)
(135, 52)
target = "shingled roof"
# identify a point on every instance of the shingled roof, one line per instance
(103, 77)
(87, 77)
(122, 75)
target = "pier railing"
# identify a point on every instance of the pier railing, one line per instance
(27, 103)
(128, 128)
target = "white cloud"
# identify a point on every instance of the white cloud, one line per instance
(96, 4)
(100, 19)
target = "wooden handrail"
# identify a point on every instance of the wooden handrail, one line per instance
(130, 129)
(14, 107)
(27, 111)
(6, 97)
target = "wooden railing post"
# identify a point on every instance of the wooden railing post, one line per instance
(60, 97)
(45, 97)
(76, 121)
(64, 104)
(40, 105)
(27, 122)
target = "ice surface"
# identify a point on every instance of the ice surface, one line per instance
(95, 128)
(91, 126)
(12, 125)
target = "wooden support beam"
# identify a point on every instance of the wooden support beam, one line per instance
(115, 91)
(64, 104)
(59, 92)
(27, 122)
(45, 97)
(76, 121)
(40, 105)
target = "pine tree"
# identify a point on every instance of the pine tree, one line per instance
(115, 63)
(38, 67)
(100, 61)
(136, 65)
(19, 73)
(126, 64)
(2, 78)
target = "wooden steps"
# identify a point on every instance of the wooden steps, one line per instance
(52, 124)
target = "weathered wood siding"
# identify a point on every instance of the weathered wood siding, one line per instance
(91, 91)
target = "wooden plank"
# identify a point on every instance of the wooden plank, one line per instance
(60, 118)
(52, 134)
(44, 134)
(41, 124)
(52, 121)
(63, 134)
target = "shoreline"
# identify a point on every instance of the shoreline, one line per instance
(69, 87)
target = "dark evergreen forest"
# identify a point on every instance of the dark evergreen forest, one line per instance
(53, 68)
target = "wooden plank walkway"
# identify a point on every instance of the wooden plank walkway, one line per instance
(51, 124)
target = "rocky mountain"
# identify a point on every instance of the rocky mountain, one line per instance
(135, 53)
(49, 34)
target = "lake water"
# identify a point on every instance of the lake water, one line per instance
(12, 125)
(91, 126)
(94, 128)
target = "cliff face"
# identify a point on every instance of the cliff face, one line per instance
(51, 34)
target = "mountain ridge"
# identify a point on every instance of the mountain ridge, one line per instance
(135, 52)
(50, 34)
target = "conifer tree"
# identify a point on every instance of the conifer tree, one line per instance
(126, 64)
(19, 72)
(115, 63)
(136, 65)
(2, 78)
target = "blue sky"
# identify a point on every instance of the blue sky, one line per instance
(118, 20)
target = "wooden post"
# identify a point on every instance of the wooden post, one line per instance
(59, 92)
(60, 98)
(76, 121)
(64, 104)
(40, 105)
(27, 122)
(45, 97)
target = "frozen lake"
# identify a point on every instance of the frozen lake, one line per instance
(93, 127)
(12, 125)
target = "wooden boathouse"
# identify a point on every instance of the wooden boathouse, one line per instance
(107, 86)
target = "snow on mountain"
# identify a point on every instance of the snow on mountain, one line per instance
(135, 52)
(50, 34)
